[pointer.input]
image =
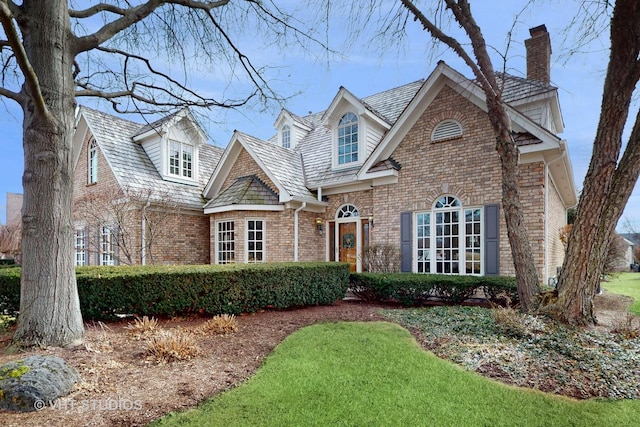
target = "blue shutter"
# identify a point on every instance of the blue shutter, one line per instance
(492, 240)
(405, 242)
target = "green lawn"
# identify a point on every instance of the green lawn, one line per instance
(626, 284)
(375, 374)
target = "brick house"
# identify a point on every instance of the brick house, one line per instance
(138, 190)
(412, 168)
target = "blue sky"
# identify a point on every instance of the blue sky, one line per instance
(370, 67)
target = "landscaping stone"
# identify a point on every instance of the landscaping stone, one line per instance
(34, 382)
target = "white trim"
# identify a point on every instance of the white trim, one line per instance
(233, 208)
(263, 240)
(217, 240)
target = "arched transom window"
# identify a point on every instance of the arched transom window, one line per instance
(348, 139)
(449, 238)
(347, 211)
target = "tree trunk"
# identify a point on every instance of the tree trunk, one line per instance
(49, 305)
(607, 185)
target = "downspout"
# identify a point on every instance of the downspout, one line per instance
(547, 183)
(143, 236)
(295, 231)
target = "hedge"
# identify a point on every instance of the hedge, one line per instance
(182, 290)
(416, 289)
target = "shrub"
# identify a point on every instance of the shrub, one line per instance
(221, 324)
(170, 346)
(416, 289)
(626, 329)
(142, 327)
(381, 259)
(509, 322)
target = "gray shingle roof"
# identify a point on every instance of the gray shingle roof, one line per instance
(517, 88)
(247, 190)
(132, 167)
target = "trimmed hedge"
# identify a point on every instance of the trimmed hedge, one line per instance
(416, 289)
(181, 290)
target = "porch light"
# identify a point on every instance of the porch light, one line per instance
(371, 220)
(319, 223)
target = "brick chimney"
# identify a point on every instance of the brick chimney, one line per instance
(539, 55)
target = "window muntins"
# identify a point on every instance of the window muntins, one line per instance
(225, 242)
(347, 211)
(107, 244)
(285, 137)
(181, 160)
(80, 246)
(348, 139)
(255, 243)
(92, 162)
(445, 130)
(448, 239)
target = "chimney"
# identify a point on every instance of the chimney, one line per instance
(539, 55)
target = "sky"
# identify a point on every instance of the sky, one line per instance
(365, 67)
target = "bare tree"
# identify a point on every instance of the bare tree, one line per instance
(478, 60)
(52, 53)
(10, 240)
(611, 176)
(123, 213)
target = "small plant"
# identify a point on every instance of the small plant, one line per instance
(143, 327)
(170, 346)
(626, 329)
(221, 324)
(6, 322)
(509, 321)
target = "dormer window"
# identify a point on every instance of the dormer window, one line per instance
(180, 159)
(286, 136)
(348, 139)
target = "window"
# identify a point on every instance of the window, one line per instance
(180, 159)
(449, 239)
(286, 136)
(92, 168)
(226, 242)
(80, 246)
(348, 139)
(255, 240)
(446, 129)
(347, 211)
(107, 245)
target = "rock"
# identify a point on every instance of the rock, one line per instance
(34, 382)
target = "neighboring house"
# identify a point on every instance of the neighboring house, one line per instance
(138, 190)
(633, 242)
(14, 209)
(414, 168)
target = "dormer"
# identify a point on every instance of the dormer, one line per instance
(173, 145)
(355, 130)
(290, 129)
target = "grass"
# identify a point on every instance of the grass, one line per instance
(375, 374)
(626, 284)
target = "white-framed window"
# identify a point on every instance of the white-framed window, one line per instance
(255, 240)
(347, 211)
(348, 139)
(446, 129)
(286, 136)
(92, 162)
(107, 245)
(225, 242)
(448, 239)
(180, 159)
(80, 246)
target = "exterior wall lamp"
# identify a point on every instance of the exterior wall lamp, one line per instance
(370, 220)
(319, 223)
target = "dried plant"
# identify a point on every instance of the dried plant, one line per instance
(510, 321)
(626, 328)
(170, 346)
(142, 327)
(221, 324)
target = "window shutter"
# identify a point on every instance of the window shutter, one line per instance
(116, 244)
(87, 242)
(492, 240)
(405, 242)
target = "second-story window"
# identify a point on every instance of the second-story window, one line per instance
(286, 136)
(348, 139)
(92, 176)
(180, 159)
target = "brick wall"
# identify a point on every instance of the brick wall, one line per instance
(245, 165)
(556, 220)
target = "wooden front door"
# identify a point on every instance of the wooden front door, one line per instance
(348, 244)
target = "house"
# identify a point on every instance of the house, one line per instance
(138, 190)
(412, 168)
(632, 241)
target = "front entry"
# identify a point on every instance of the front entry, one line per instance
(348, 244)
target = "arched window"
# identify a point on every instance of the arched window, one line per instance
(347, 211)
(446, 129)
(92, 162)
(348, 139)
(449, 238)
(286, 136)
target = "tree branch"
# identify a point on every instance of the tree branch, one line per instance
(30, 77)
(96, 9)
(134, 15)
